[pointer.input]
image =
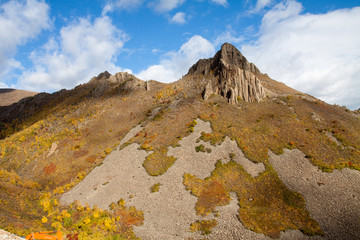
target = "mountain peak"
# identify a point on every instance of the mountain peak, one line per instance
(230, 55)
(230, 75)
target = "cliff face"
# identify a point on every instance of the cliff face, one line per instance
(230, 75)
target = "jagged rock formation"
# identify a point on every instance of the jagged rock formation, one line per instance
(105, 82)
(230, 75)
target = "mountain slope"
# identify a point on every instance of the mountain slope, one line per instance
(9, 96)
(208, 139)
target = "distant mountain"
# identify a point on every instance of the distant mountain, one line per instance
(9, 96)
(226, 152)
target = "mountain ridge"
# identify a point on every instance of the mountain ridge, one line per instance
(234, 84)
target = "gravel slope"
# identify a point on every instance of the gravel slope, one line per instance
(332, 199)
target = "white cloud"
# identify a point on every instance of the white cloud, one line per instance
(221, 2)
(84, 49)
(122, 4)
(160, 6)
(260, 5)
(3, 85)
(19, 22)
(176, 64)
(165, 5)
(179, 18)
(315, 53)
(227, 36)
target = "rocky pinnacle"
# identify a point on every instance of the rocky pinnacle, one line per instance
(230, 75)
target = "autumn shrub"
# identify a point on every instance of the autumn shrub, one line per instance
(51, 168)
(200, 148)
(191, 126)
(89, 223)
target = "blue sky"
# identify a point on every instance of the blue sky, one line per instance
(312, 46)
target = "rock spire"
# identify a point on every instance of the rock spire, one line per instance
(230, 75)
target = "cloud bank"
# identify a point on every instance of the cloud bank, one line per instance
(84, 49)
(175, 64)
(316, 54)
(19, 22)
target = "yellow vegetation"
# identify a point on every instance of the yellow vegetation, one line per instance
(155, 187)
(44, 220)
(204, 226)
(158, 162)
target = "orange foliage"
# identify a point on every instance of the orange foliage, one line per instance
(50, 169)
(213, 195)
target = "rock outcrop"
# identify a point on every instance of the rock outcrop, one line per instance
(123, 81)
(230, 75)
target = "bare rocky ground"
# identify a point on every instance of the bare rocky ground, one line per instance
(332, 199)
(4, 235)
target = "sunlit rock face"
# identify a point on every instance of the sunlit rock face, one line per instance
(230, 75)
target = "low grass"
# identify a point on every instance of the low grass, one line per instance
(260, 127)
(160, 134)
